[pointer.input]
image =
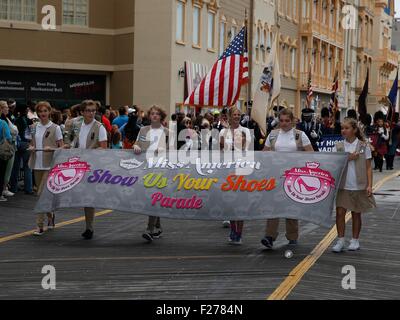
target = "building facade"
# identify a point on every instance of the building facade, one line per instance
(386, 60)
(322, 46)
(288, 22)
(89, 54)
(396, 47)
(263, 31)
(146, 52)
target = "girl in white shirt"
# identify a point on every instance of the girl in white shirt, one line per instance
(235, 137)
(355, 192)
(285, 139)
(47, 137)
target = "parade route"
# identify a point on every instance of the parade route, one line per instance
(193, 259)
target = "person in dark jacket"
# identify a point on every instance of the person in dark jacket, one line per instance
(22, 155)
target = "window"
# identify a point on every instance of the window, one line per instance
(287, 60)
(315, 9)
(258, 43)
(75, 12)
(18, 10)
(331, 16)
(269, 40)
(196, 26)
(281, 6)
(222, 31)
(211, 31)
(233, 32)
(323, 61)
(305, 9)
(293, 64)
(288, 8)
(295, 14)
(284, 59)
(180, 21)
(265, 44)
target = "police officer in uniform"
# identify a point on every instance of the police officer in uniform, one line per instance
(310, 126)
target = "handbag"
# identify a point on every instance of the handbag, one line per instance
(6, 148)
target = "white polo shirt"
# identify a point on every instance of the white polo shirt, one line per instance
(286, 141)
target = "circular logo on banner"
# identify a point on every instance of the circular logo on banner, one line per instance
(309, 184)
(67, 175)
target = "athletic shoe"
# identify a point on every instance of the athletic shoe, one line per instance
(148, 236)
(268, 242)
(293, 243)
(2, 199)
(38, 233)
(52, 223)
(7, 193)
(157, 234)
(226, 224)
(237, 241)
(339, 246)
(232, 236)
(354, 245)
(88, 234)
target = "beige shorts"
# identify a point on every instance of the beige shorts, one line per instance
(355, 201)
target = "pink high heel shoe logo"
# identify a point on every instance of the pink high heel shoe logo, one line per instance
(67, 175)
(308, 185)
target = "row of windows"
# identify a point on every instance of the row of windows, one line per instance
(197, 24)
(288, 8)
(75, 12)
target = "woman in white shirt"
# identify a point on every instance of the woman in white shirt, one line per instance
(235, 137)
(46, 138)
(285, 139)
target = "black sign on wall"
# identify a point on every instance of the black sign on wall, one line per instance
(62, 90)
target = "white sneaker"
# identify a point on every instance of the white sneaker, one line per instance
(226, 224)
(354, 245)
(38, 233)
(7, 193)
(2, 199)
(339, 246)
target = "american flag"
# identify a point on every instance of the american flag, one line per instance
(310, 92)
(334, 104)
(221, 87)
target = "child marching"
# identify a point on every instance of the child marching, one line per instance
(355, 192)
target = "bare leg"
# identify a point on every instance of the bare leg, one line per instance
(357, 224)
(341, 221)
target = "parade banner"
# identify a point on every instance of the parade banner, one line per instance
(327, 143)
(297, 185)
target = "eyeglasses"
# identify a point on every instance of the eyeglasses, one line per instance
(90, 110)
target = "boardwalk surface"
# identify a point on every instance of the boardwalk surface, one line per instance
(193, 260)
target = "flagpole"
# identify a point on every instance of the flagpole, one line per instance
(250, 56)
(278, 31)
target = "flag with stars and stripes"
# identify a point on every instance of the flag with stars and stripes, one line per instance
(222, 84)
